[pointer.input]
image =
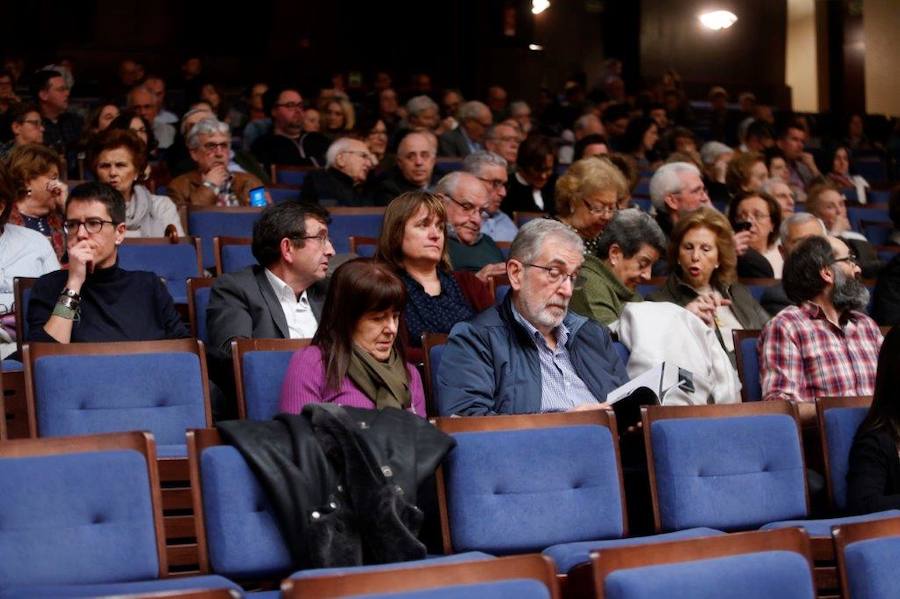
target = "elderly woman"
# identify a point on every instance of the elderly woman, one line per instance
(531, 187)
(746, 172)
(356, 358)
(758, 213)
(39, 194)
(213, 182)
(413, 242)
(118, 158)
(626, 251)
(704, 273)
(156, 173)
(587, 198)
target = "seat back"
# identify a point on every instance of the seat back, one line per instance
(746, 355)
(280, 195)
(233, 253)
(757, 287)
(747, 565)
(285, 174)
(347, 222)
(237, 530)
(259, 368)
(839, 418)
(87, 388)
(516, 484)
(876, 232)
(523, 577)
(80, 510)
(867, 556)
(207, 222)
(21, 294)
(433, 348)
(198, 300)
(728, 467)
(173, 262)
(363, 246)
(520, 218)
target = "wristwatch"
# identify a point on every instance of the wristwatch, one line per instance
(211, 185)
(69, 293)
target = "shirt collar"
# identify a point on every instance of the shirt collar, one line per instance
(816, 312)
(282, 290)
(561, 332)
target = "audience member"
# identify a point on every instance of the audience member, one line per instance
(530, 354)
(761, 212)
(118, 158)
(782, 193)
(491, 169)
(640, 140)
(793, 230)
(585, 125)
(414, 170)
(715, 157)
(281, 296)
(345, 178)
(503, 139)
(26, 125)
(212, 183)
(825, 346)
(757, 137)
(144, 103)
(626, 251)
(286, 142)
(338, 119)
(62, 129)
(157, 86)
(827, 203)
(531, 188)
(703, 279)
(40, 196)
(466, 200)
(587, 198)
(746, 172)
(474, 121)
(497, 101)
(95, 300)
(521, 113)
(100, 119)
(356, 358)
(676, 188)
(841, 178)
(801, 167)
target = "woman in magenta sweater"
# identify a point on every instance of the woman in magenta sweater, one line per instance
(355, 358)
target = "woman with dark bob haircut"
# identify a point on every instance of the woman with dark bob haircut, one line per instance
(873, 477)
(355, 358)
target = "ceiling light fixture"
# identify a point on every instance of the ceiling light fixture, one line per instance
(535, 47)
(539, 6)
(718, 19)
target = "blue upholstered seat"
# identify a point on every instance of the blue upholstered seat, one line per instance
(81, 524)
(207, 224)
(763, 575)
(358, 223)
(840, 428)
(283, 194)
(431, 560)
(237, 257)
(822, 527)
(871, 567)
(158, 392)
(201, 301)
(501, 589)
(263, 373)
(11, 366)
(174, 262)
(749, 373)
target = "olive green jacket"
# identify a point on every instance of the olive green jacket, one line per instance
(603, 296)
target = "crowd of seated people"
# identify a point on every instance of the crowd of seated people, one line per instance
(621, 191)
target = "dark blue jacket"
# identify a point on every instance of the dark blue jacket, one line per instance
(491, 365)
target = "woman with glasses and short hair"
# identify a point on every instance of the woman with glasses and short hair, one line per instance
(95, 300)
(759, 214)
(587, 198)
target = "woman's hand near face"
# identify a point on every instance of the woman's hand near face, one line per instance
(59, 191)
(705, 305)
(81, 259)
(742, 242)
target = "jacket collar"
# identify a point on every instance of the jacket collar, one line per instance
(572, 321)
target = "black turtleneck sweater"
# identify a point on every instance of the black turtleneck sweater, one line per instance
(116, 305)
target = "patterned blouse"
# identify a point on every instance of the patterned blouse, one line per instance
(433, 314)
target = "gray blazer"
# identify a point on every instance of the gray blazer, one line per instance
(453, 144)
(243, 305)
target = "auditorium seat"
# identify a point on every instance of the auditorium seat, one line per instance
(520, 218)
(433, 345)
(867, 555)
(175, 263)
(207, 222)
(746, 355)
(347, 222)
(838, 419)
(259, 367)
(363, 246)
(22, 293)
(233, 253)
(198, 300)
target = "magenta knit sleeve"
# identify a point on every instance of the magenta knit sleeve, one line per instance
(416, 391)
(303, 381)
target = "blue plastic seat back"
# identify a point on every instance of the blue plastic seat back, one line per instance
(872, 571)
(289, 177)
(201, 301)
(876, 232)
(237, 257)
(22, 311)
(174, 262)
(158, 392)
(728, 473)
(242, 532)
(750, 372)
(500, 589)
(857, 214)
(344, 225)
(223, 223)
(282, 194)
(263, 375)
(76, 519)
(763, 575)
(519, 491)
(840, 428)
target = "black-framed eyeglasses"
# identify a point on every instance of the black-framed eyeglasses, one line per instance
(289, 105)
(850, 258)
(470, 208)
(91, 225)
(495, 183)
(557, 275)
(212, 146)
(322, 237)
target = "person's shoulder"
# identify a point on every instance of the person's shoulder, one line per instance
(19, 234)
(238, 278)
(788, 319)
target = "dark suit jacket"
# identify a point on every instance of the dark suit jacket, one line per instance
(332, 184)
(453, 144)
(873, 475)
(392, 185)
(519, 198)
(243, 305)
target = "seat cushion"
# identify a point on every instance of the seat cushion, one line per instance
(822, 527)
(119, 588)
(500, 589)
(429, 561)
(11, 366)
(872, 570)
(765, 575)
(568, 555)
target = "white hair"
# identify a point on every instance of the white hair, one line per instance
(476, 161)
(796, 219)
(338, 146)
(420, 104)
(585, 121)
(526, 246)
(519, 107)
(472, 110)
(666, 180)
(209, 126)
(449, 183)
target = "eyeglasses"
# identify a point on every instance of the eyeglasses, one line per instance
(557, 275)
(602, 210)
(289, 105)
(469, 208)
(36, 122)
(755, 216)
(91, 225)
(495, 183)
(321, 237)
(212, 146)
(850, 258)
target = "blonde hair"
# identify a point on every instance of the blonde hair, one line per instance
(716, 222)
(587, 177)
(27, 162)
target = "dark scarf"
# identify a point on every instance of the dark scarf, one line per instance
(385, 383)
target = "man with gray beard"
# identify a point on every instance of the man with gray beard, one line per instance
(825, 345)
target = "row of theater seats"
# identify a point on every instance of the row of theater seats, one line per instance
(82, 515)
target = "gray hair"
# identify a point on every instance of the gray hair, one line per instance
(666, 180)
(189, 114)
(472, 110)
(338, 146)
(519, 107)
(585, 121)
(449, 183)
(768, 184)
(420, 104)
(630, 229)
(711, 150)
(209, 126)
(476, 161)
(531, 236)
(798, 218)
